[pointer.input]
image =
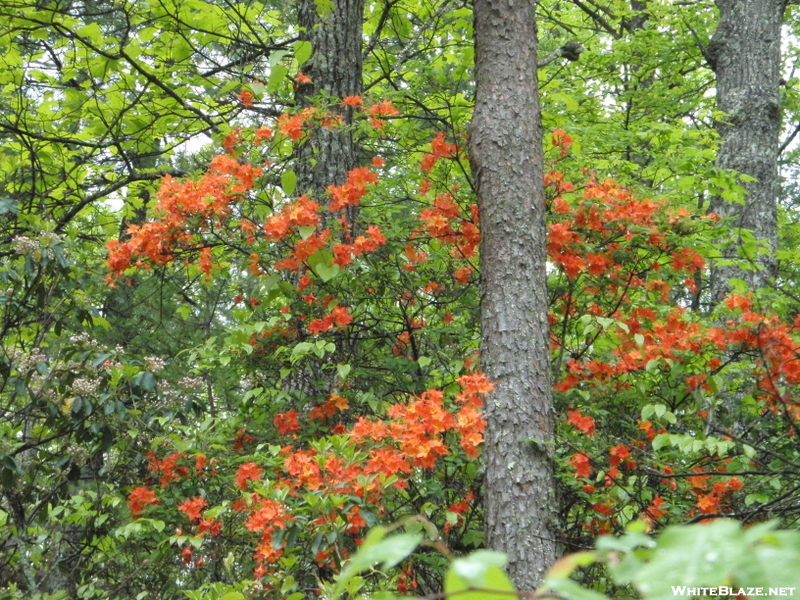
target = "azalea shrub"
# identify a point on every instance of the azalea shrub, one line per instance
(358, 401)
(671, 412)
(352, 333)
(299, 506)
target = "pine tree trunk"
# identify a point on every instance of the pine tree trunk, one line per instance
(335, 68)
(745, 53)
(506, 155)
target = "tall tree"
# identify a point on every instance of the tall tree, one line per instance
(334, 69)
(745, 53)
(506, 155)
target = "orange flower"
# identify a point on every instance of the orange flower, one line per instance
(580, 462)
(262, 133)
(246, 97)
(734, 484)
(192, 507)
(581, 422)
(708, 503)
(340, 402)
(287, 422)
(205, 262)
(291, 126)
(352, 101)
(561, 140)
(353, 189)
(300, 213)
(266, 551)
(654, 511)
(619, 453)
(463, 274)
(647, 427)
(318, 326)
(168, 468)
(211, 526)
(269, 517)
(199, 463)
(383, 109)
(603, 509)
(439, 149)
(246, 472)
(139, 498)
(341, 316)
(737, 301)
(355, 522)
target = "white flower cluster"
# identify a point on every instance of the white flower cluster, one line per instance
(84, 387)
(194, 384)
(24, 361)
(154, 364)
(24, 245)
(85, 340)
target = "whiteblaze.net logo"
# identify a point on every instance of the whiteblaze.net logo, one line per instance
(683, 590)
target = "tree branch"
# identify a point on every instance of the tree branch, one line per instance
(571, 51)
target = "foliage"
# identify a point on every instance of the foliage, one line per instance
(274, 379)
(721, 557)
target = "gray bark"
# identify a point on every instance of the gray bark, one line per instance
(335, 68)
(506, 155)
(745, 53)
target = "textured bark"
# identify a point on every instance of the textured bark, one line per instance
(506, 155)
(335, 69)
(745, 53)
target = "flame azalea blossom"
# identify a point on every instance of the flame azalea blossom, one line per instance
(581, 422)
(580, 462)
(139, 499)
(192, 507)
(287, 422)
(247, 472)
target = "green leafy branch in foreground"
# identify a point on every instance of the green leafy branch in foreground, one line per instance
(703, 555)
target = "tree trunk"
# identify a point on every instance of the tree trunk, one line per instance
(506, 156)
(745, 53)
(334, 69)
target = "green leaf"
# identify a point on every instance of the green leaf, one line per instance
(662, 440)
(565, 566)
(299, 351)
(700, 555)
(302, 51)
(305, 232)
(288, 182)
(472, 566)
(233, 596)
(573, 590)
(277, 76)
(324, 7)
(343, 371)
(376, 549)
(8, 205)
(145, 380)
(323, 266)
(776, 561)
(480, 569)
